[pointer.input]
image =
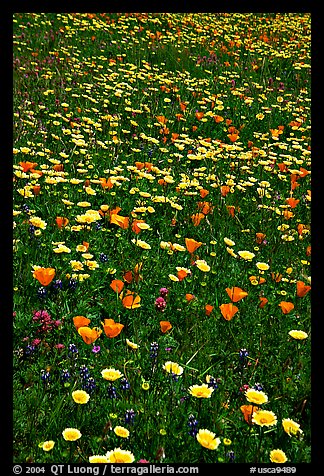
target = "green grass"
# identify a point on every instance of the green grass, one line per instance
(106, 79)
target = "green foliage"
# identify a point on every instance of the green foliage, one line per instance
(118, 97)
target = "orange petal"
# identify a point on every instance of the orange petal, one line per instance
(117, 285)
(112, 328)
(88, 335)
(248, 411)
(190, 297)
(192, 244)
(263, 301)
(228, 311)
(236, 294)
(302, 289)
(165, 326)
(286, 307)
(130, 301)
(208, 309)
(44, 275)
(80, 321)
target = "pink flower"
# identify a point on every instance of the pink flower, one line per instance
(160, 304)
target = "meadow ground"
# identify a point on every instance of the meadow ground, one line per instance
(162, 240)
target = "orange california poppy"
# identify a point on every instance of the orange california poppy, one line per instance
(287, 214)
(44, 275)
(61, 221)
(231, 210)
(89, 335)
(236, 294)
(161, 119)
(303, 172)
(248, 411)
(263, 301)
(286, 307)
(128, 276)
(293, 202)
(199, 115)
(293, 181)
(308, 251)
(194, 128)
(106, 183)
(205, 207)
(80, 321)
(218, 118)
(276, 277)
(203, 192)
(192, 244)
(131, 301)
(190, 297)
(228, 311)
(300, 228)
(36, 189)
(165, 326)
(225, 190)
(259, 237)
(117, 285)
(112, 328)
(302, 289)
(85, 244)
(196, 218)
(182, 273)
(58, 167)
(233, 137)
(208, 309)
(26, 166)
(139, 165)
(119, 220)
(183, 106)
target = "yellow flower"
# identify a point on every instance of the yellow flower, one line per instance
(227, 441)
(131, 344)
(277, 456)
(202, 265)
(173, 367)
(98, 459)
(201, 391)
(48, 445)
(264, 418)
(247, 255)
(81, 248)
(299, 335)
(111, 374)
(208, 439)
(62, 249)
(121, 431)
(120, 456)
(229, 242)
(231, 252)
(291, 427)
(256, 396)
(145, 385)
(71, 434)
(38, 222)
(262, 266)
(80, 396)
(142, 244)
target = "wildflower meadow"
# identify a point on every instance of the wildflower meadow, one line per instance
(162, 238)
